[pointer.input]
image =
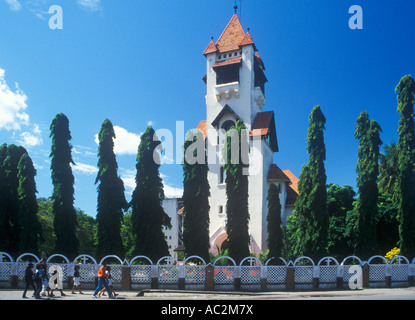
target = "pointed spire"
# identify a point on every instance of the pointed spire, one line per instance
(231, 36)
(211, 47)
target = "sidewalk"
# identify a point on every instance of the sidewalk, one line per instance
(367, 294)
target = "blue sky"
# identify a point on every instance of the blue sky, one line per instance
(139, 62)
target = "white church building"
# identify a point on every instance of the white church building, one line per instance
(235, 90)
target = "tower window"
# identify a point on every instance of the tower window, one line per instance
(227, 74)
(220, 209)
(221, 175)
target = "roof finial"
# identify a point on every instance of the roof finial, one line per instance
(236, 7)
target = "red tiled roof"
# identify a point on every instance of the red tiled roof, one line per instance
(275, 173)
(203, 127)
(232, 36)
(259, 59)
(210, 48)
(264, 125)
(294, 180)
(228, 62)
(247, 40)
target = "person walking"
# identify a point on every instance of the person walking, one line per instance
(76, 280)
(45, 280)
(103, 281)
(38, 280)
(28, 279)
(110, 283)
(56, 286)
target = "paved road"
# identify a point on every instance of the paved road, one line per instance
(367, 294)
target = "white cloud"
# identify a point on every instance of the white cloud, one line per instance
(12, 106)
(128, 177)
(125, 143)
(90, 5)
(172, 192)
(85, 168)
(31, 139)
(14, 5)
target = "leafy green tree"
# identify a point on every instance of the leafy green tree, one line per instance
(339, 203)
(406, 178)
(387, 224)
(127, 236)
(45, 216)
(311, 229)
(388, 169)
(196, 199)
(111, 198)
(86, 233)
(148, 216)
(237, 192)
(368, 134)
(63, 187)
(30, 228)
(275, 236)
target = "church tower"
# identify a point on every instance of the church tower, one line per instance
(235, 90)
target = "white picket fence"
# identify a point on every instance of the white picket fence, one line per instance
(224, 273)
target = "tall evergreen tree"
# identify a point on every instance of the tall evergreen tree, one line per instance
(10, 165)
(3, 198)
(148, 216)
(196, 200)
(274, 222)
(311, 204)
(65, 221)
(30, 228)
(237, 192)
(367, 169)
(406, 160)
(388, 169)
(111, 198)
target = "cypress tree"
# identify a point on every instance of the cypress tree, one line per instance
(111, 198)
(367, 169)
(406, 161)
(10, 166)
(65, 221)
(148, 216)
(311, 204)
(196, 200)
(237, 193)
(3, 191)
(30, 228)
(274, 222)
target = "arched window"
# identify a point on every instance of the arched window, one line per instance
(227, 125)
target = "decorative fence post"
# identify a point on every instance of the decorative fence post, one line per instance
(14, 283)
(365, 275)
(339, 278)
(237, 278)
(126, 277)
(264, 276)
(411, 274)
(290, 277)
(154, 277)
(209, 277)
(182, 282)
(316, 277)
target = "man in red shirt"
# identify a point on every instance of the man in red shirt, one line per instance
(103, 281)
